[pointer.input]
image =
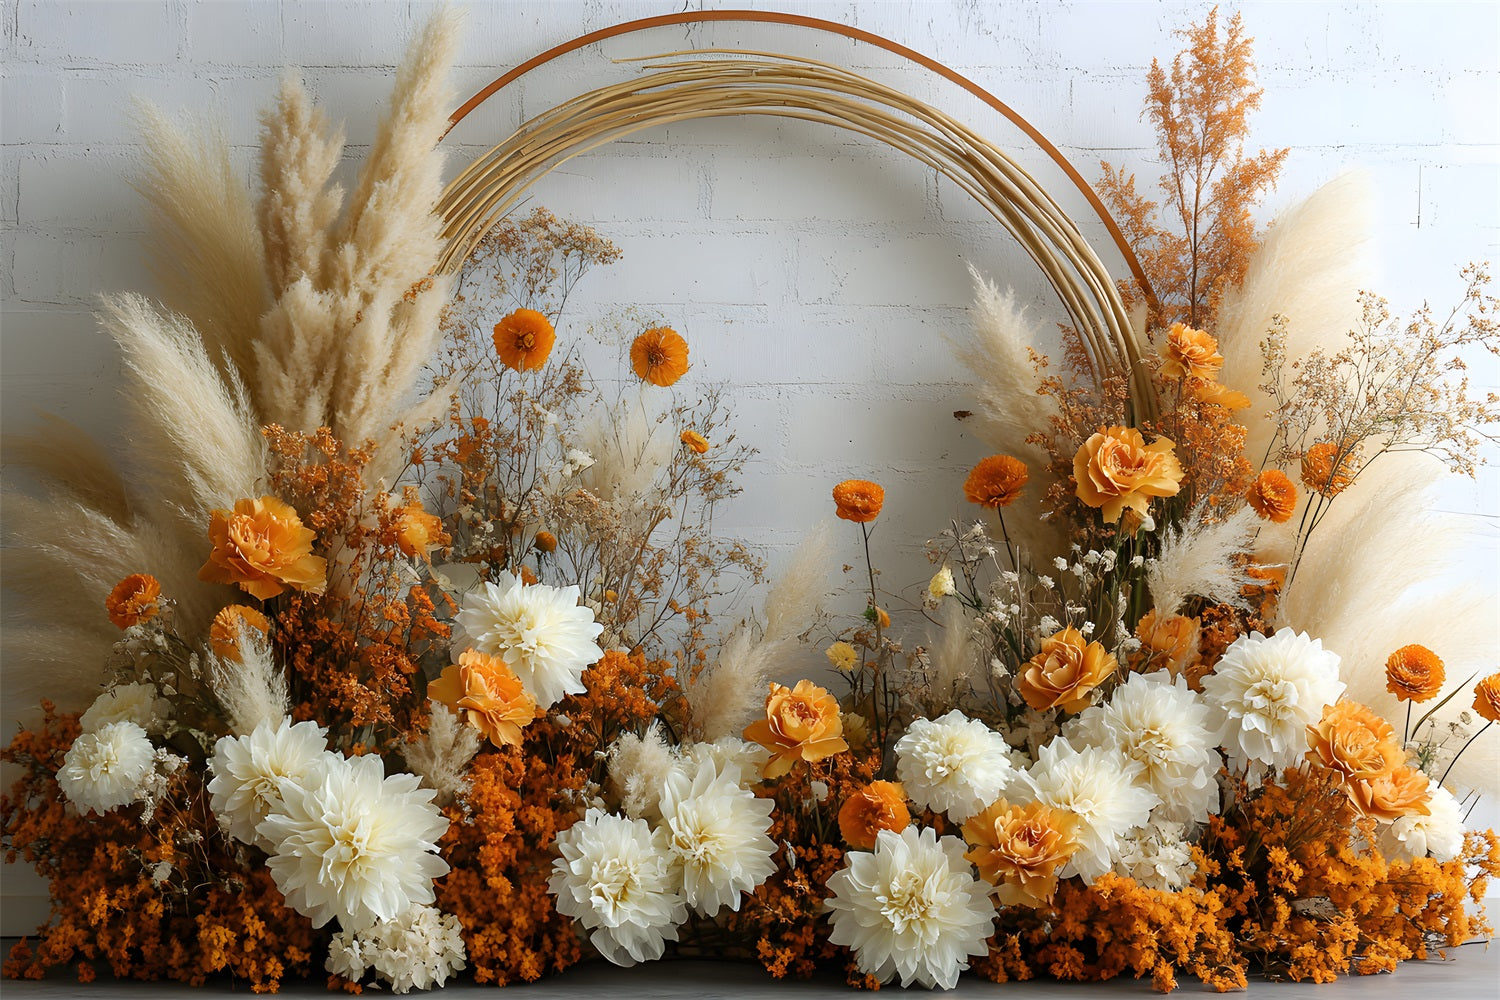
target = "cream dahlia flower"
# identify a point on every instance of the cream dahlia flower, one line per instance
(1103, 789)
(911, 908)
(250, 770)
(138, 703)
(104, 770)
(616, 878)
(716, 834)
(351, 843)
(1157, 857)
(1267, 691)
(540, 632)
(730, 752)
(1439, 834)
(953, 764)
(418, 950)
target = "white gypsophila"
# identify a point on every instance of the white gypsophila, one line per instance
(1439, 834)
(541, 632)
(1102, 789)
(1267, 691)
(419, 950)
(351, 843)
(616, 878)
(911, 908)
(953, 764)
(250, 770)
(639, 767)
(716, 835)
(138, 703)
(1159, 722)
(1157, 857)
(732, 753)
(104, 770)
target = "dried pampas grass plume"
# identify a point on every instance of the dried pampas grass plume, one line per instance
(442, 758)
(638, 770)
(253, 689)
(1197, 559)
(954, 658)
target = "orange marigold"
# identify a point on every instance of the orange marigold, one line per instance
(224, 634)
(996, 481)
(1190, 353)
(697, 442)
(858, 500)
(262, 546)
(486, 693)
(1321, 475)
(801, 723)
(524, 339)
(659, 356)
(1401, 791)
(545, 541)
(880, 805)
(1273, 496)
(418, 531)
(1019, 849)
(1353, 741)
(1413, 673)
(1064, 672)
(1116, 469)
(133, 600)
(1487, 698)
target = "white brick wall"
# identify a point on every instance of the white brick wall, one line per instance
(815, 271)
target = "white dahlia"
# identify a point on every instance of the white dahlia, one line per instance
(138, 703)
(616, 878)
(1102, 788)
(351, 843)
(540, 632)
(1439, 834)
(420, 949)
(730, 753)
(1161, 724)
(1267, 691)
(1157, 857)
(911, 908)
(104, 770)
(250, 770)
(716, 833)
(955, 764)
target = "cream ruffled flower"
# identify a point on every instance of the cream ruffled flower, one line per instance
(541, 632)
(716, 833)
(104, 770)
(351, 843)
(419, 950)
(1157, 857)
(250, 770)
(138, 703)
(911, 908)
(1103, 789)
(617, 879)
(730, 753)
(1440, 833)
(953, 764)
(1267, 691)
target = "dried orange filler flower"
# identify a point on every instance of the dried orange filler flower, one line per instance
(858, 500)
(486, 693)
(996, 481)
(524, 340)
(697, 442)
(133, 600)
(659, 356)
(801, 723)
(1115, 469)
(1414, 673)
(1487, 698)
(1319, 473)
(880, 805)
(1273, 496)
(1064, 671)
(224, 633)
(262, 546)
(1019, 849)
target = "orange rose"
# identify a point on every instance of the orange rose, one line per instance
(1487, 698)
(1018, 849)
(880, 805)
(1116, 469)
(524, 339)
(487, 695)
(1190, 353)
(417, 531)
(1168, 641)
(801, 723)
(262, 546)
(697, 442)
(1065, 671)
(1273, 496)
(224, 633)
(1320, 473)
(996, 481)
(1413, 673)
(659, 356)
(858, 500)
(133, 600)
(1400, 792)
(1353, 741)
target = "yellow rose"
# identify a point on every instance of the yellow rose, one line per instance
(801, 723)
(1019, 849)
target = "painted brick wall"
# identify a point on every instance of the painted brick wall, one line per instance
(816, 272)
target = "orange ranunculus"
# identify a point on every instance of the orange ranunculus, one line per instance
(1487, 698)
(1169, 641)
(1322, 474)
(858, 500)
(133, 600)
(545, 541)
(228, 625)
(1115, 469)
(1413, 673)
(1019, 849)
(1206, 391)
(1353, 741)
(801, 723)
(262, 546)
(659, 356)
(697, 442)
(1273, 496)
(1189, 353)
(1399, 792)
(1065, 671)
(996, 481)
(880, 805)
(486, 694)
(417, 531)
(524, 339)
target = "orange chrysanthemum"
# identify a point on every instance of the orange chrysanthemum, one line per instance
(262, 546)
(486, 694)
(858, 500)
(1116, 469)
(524, 339)
(1487, 698)
(1019, 849)
(418, 531)
(659, 356)
(545, 541)
(880, 805)
(1353, 741)
(1321, 475)
(133, 600)
(1273, 496)
(1190, 353)
(1401, 791)
(996, 481)
(695, 441)
(801, 723)
(227, 628)
(1063, 673)
(1414, 673)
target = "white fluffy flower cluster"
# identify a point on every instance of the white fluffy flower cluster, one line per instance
(419, 950)
(1103, 789)
(1440, 834)
(141, 704)
(1157, 857)
(1267, 691)
(104, 770)
(911, 908)
(541, 632)
(953, 764)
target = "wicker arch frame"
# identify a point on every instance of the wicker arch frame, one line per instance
(681, 86)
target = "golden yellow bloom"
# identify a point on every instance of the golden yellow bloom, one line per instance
(486, 694)
(262, 546)
(418, 531)
(1019, 849)
(524, 339)
(941, 585)
(1219, 395)
(545, 541)
(1413, 673)
(1487, 698)
(133, 600)
(1115, 469)
(880, 805)
(1065, 671)
(858, 500)
(1190, 353)
(1319, 473)
(842, 656)
(1399, 792)
(659, 356)
(697, 442)
(1170, 639)
(801, 723)
(224, 633)
(1353, 741)
(996, 481)
(1273, 496)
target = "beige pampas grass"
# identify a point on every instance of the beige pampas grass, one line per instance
(638, 770)
(251, 690)
(954, 659)
(69, 465)
(298, 204)
(1196, 559)
(442, 759)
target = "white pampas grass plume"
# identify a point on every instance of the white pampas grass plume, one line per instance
(298, 204)
(638, 770)
(442, 758)
(252, 690)
(69, 465)
(1197, 559)
(954, 658)
(630, 448)
(793, 602)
